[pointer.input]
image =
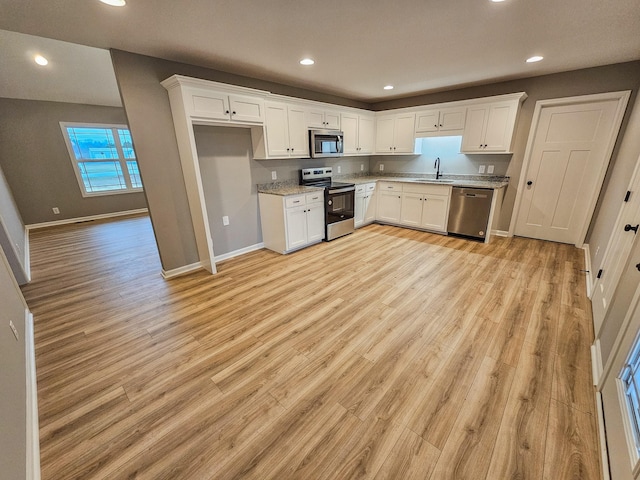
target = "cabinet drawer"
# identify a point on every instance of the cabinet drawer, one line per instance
(427, 188)
(317, 197)
(360, 188)
(390, 187)
(294, 201)
(370, 187)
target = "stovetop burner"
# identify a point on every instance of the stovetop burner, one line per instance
(321, 177)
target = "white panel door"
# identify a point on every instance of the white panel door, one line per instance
(617, 252)
(296, 221)
(623, 439)
(569, 156)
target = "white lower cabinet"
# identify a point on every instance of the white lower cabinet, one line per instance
(389, 202)
(365, 206)
(425, 206)
(291, 222)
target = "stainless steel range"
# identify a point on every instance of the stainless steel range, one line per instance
(339, 200)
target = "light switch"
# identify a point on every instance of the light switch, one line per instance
(490, 169)
(225, 220)
(481, 169)
(274, 175)
(381, 167)
(362, 167)
(339, 169)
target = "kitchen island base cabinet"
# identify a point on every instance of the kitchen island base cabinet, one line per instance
(291, 222)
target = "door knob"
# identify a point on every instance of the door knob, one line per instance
(529, 183)
(638, 267)
(628, 227)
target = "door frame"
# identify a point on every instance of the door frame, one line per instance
(622, 97)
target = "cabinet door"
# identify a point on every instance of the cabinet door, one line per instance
(332, 120)
(451, 119)
(384, 134)
(497, 136)
(246, 109)
(359, 210)
(435, 212)
(296, 227)
(350, 130)
(473, 136)
(366, 134)
(411, 212)
(315, 222)
(277, 129)
(298, 132)
(404, 134)
(389, 205)
(208, 104)
(370, 207)
(427, 121)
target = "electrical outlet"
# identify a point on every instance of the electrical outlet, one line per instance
(490, 169)
(382, 167)
(14, 330)
(362, 167)
(225, 220)
(481, 169)
(339, 169)
(274, 175)
(56, 210)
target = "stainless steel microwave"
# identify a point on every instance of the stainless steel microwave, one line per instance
(326, 143)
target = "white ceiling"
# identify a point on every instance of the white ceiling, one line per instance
(359, 45)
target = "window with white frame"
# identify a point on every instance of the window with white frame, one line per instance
(630, 378)
(103, 158)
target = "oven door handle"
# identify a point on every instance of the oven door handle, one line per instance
(342, 190)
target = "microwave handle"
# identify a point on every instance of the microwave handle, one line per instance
(340, 143)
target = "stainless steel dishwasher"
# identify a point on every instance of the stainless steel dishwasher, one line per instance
(469, 211)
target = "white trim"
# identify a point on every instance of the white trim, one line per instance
(89, 218)
(241, 251)
(27, 254)
(622, 97)
(587, 267)
(500, 233)
(604, 457)
(596, 362)
(33, 431)
(175, 272)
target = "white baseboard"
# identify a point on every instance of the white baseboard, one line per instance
(101, 216)
(604, 457)
(27, 255)
(176, 272)
(596, 362)
(241, 251)
(500, 233)
(33, 430)
(587, 267)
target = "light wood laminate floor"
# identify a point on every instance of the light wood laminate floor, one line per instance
(387, 354)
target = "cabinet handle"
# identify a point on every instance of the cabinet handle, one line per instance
(628, 228)
(296, 201)
(226, 112)
(233, 113)
(436, 125)
(529, 183)
(399, 196)
(390, 148)
(638, 267)
(440, 124)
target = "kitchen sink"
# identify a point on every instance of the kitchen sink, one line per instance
(427, 180)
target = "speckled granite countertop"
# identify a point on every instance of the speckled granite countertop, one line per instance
(473, 181)
(286, 188)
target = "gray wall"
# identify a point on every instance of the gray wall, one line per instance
(230, 177)
(624, 76)
(149, 117)
(36, 162)
(13, 384)
(13, 236)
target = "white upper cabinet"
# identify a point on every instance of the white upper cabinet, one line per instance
(358, 133)
(395, 134)
(286, 131)
(489, 127)
(212, 105)
(444, 121)
(323, 119)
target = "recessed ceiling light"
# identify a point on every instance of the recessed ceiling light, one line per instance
(306, 61)
(497, 1)
(40, 60)
(535, 58)
(115, 3)
(388, 87)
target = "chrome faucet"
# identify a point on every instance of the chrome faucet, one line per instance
(437, 167)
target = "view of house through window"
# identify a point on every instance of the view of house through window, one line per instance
(103, 158)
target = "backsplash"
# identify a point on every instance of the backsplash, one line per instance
(451, 160)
